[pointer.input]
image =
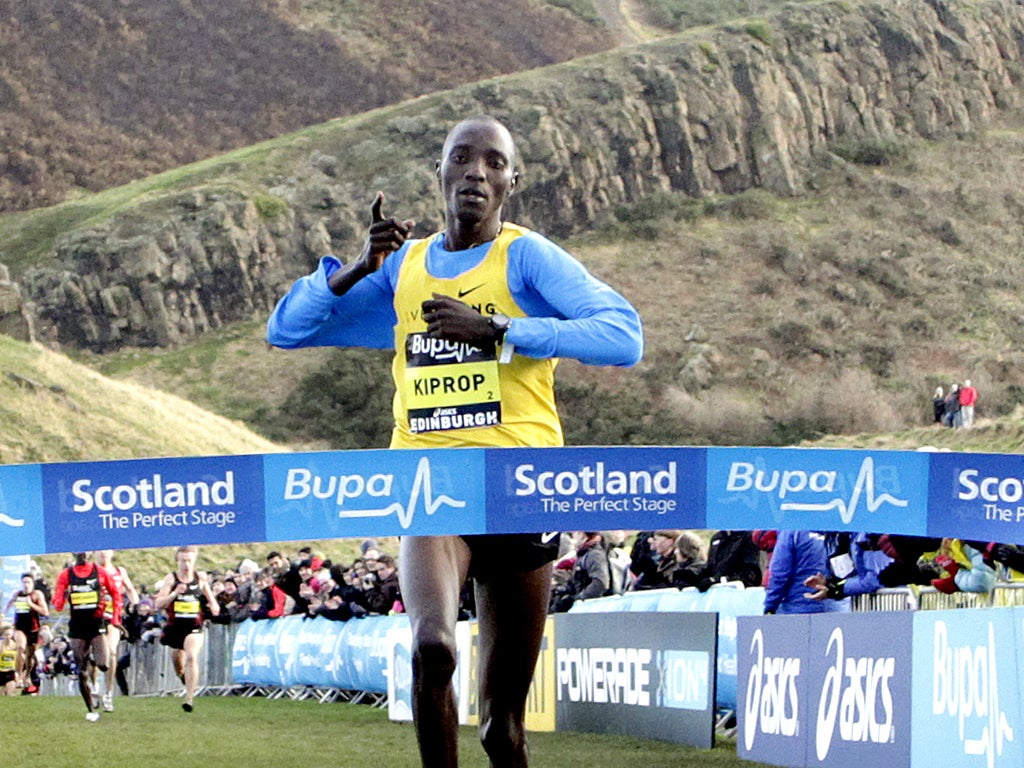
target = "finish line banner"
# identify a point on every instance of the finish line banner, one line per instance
(137, 503)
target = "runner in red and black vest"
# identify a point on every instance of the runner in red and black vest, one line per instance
(84, 586)
(187, 598)
(29, 607)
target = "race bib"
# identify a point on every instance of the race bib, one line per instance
(450, 385)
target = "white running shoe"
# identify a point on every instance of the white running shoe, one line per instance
(92, 717)
(108, 702)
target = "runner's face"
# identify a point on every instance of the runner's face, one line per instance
(476, 172)
(27, 584)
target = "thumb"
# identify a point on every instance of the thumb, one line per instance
(375, 208)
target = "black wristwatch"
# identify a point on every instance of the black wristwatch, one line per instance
(499, 325)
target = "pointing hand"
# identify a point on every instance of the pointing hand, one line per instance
(386, 235)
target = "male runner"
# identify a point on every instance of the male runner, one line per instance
(82, 586)
(529, 303)
(29, 607)
(115, 628)
(187, 597)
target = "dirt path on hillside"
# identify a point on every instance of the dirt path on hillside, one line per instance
(615, 16)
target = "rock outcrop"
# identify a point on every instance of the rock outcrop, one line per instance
(719, 112)
(15, 318)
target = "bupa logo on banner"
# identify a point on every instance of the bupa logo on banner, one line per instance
(21, 510)
(153, 502)
(818, 490)
(343, 494)
(977, 496)
(594, 489)
(967, 707)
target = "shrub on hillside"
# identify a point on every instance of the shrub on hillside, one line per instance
(871, 150)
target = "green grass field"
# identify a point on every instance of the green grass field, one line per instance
(51, 732)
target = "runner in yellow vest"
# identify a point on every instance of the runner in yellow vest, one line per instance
(8, 661)
(477, 315)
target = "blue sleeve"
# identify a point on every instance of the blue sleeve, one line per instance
(572, 314)
(780, 572)
(310, 315)
(867, 567)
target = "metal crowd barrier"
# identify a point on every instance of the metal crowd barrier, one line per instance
(915, 598)
(152, 674)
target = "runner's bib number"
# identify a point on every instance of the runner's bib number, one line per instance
(450, 385)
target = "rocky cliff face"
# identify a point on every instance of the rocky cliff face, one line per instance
(744, 106)
(15, 319)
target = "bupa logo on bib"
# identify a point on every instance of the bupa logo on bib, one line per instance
(450, 385)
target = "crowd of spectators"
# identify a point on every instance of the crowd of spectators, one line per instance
(801, 571)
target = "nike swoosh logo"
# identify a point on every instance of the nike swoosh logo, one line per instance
(546, 537)
(470, 290)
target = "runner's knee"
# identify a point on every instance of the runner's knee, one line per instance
(434, 661)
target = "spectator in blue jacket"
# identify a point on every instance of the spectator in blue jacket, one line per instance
(799, 556)
(854, 562)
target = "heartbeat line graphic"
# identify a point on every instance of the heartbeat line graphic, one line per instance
(421, 485)
(865, 485)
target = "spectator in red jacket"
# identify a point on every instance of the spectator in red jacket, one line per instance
(268, 601)
(968, 397)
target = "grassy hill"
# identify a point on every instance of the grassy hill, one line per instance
(823, 319)
(55, 410)
(94, 95)
(768, 320)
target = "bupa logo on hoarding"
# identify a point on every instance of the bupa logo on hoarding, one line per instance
(589, 489)
(965, 678)
(803, 489)
(357, 493)
(965, 688)
(152, 502)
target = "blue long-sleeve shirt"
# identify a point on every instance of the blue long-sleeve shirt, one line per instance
(570, 313)
(868, 562)
(797, 556)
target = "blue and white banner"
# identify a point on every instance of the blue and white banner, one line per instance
(977, 496)
(594, 489)
(820, 690)
(346, 494)
(163, 502)
(341, 494)
(967, 695)
(21, 511)
(817, 490)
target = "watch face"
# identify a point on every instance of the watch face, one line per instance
(500, 322)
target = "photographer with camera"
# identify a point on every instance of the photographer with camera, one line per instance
(382, 593)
